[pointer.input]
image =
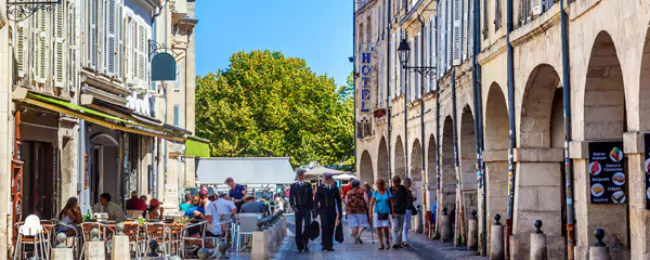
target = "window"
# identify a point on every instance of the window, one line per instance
(497, 15)
(177, 115)
(177, 83)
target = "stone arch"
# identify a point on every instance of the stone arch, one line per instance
(365, 172)
(468, 170)
(431, 178)
(104, 139)
(416, 171)
(644, 85)
(605, 120)
(399, 161)
(382, 160)
(448, 178)
(539, 186)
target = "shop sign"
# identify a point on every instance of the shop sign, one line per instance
(366, 68)
(139, 103)
(607, 173)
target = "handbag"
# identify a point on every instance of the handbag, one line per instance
(414, 211)
(381, 216)
(314, 230)
(338, 236)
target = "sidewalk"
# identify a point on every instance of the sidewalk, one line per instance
(421, 248)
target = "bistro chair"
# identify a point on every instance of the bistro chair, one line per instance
(247, 225)
(31, 233)
(188, 241)
(134, 214)
(136, 240)
(229, 227)
(74, 240)
(161, 233)
(86, 235)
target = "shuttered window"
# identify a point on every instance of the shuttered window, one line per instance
(111, 41)
(457, 32)
(58, 42)
(465, 29)
(177, 83)
(73, 48)
(497, 15)
(177, 115)
(40, 41)
(20, 49)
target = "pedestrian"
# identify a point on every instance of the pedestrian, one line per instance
(301, 198)
(357, 210)
(382, 206)
(400, 204)
(237, 192)
(409, 211)
(328, 199)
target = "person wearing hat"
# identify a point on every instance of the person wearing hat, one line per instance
(252, 206)
(237, 192)
(328, 200)
(301, 200)
(155, 211)
(204, 198)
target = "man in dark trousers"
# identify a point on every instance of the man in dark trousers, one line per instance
(301, 198)
(328, 200)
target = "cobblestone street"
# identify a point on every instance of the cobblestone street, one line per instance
(421, 248)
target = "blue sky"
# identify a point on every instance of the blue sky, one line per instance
(318, 31)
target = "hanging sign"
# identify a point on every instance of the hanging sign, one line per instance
(606, 172)
(366, 59)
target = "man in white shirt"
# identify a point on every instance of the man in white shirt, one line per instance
(224, 206)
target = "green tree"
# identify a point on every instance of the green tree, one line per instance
(265, 104)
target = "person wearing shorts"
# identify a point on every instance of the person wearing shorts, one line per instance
(381, 211)
(357, 201)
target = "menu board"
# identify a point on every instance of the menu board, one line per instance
(607, 172)
(646, 165)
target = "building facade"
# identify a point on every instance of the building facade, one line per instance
(84, 114)
(526, 98)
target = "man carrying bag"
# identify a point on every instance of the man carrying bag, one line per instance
(301, 200)
(328, 199)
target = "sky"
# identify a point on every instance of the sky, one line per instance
(318, 31)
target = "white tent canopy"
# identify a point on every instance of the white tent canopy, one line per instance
(344, 177)
(252, 170)
(320, 170)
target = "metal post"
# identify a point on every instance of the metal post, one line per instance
(388, 105)
(511, 123)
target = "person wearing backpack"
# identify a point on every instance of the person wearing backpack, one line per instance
(382, 207)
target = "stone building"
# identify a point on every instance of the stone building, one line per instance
(85, 113)
(500, 109)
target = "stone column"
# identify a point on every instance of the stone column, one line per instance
(635, 150)
(496, 242)
(259, 249)
(6, 140)
(538, 243)
(538, 195)
(496, 177)
(472, 232)
(120, 249)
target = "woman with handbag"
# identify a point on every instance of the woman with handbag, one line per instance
(382, 206)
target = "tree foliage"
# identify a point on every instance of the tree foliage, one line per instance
(265, 104)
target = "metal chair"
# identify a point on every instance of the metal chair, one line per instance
(31, 233)
(229, 226)
(62, 227)
(136, 240)
(247, 225)
(160, 232)
(188, 239)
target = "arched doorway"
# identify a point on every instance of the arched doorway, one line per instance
(495, 155)
(448, 179)
(365, 172)
(431, 178)
(416, 179)
(605, 121)
(105, 167)
(399, 165)
(468, 169)
(382, 160)
(539, 192)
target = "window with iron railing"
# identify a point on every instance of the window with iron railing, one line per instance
(530, 9)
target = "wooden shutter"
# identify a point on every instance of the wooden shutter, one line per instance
(134, 45)
(465, 29)
(59, 45)
(92, 34)
(21, 49)
(111, 43)
(536, 7)
(73, 50)
(457, 33)
(141, 67)
(120, 41)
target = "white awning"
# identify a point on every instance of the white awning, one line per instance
(320, 170)
(253, 170)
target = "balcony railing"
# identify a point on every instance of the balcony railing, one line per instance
(358, 4)
(530, 9)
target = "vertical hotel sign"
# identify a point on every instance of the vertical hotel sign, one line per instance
(366, 77)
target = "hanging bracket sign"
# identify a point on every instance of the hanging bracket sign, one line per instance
(607, 173)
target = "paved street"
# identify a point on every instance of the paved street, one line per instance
(421, 248)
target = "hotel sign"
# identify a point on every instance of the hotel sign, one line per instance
(366, 60)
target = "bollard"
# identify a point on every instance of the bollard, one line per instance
(496, 239)
(419, 220)
(120, 248)
(62, 252)
(538, 243)
(203, 253)
(599, 251)
(259, 249)
(445, 222)
(472, 232)
(223, 248)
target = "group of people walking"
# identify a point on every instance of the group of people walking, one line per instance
(386, 207)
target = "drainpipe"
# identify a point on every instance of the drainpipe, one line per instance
(438, 141)
(478, 104)
(354, 75)
(422, 98)
(406, 120)
(568, 167)
(81, 165)
(511, 123)
(388, 107)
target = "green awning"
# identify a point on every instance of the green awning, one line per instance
(195, 146)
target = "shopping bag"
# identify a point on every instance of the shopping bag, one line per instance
(338, 236)
(314, 230)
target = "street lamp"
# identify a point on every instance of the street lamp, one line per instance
(404, 51)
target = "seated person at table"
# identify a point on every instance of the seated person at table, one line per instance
(155, 211)
(214, 222)
(252, 206)
(71, 215)
(196, 206)
(135, 203)
(113, 210)
(187, 204)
